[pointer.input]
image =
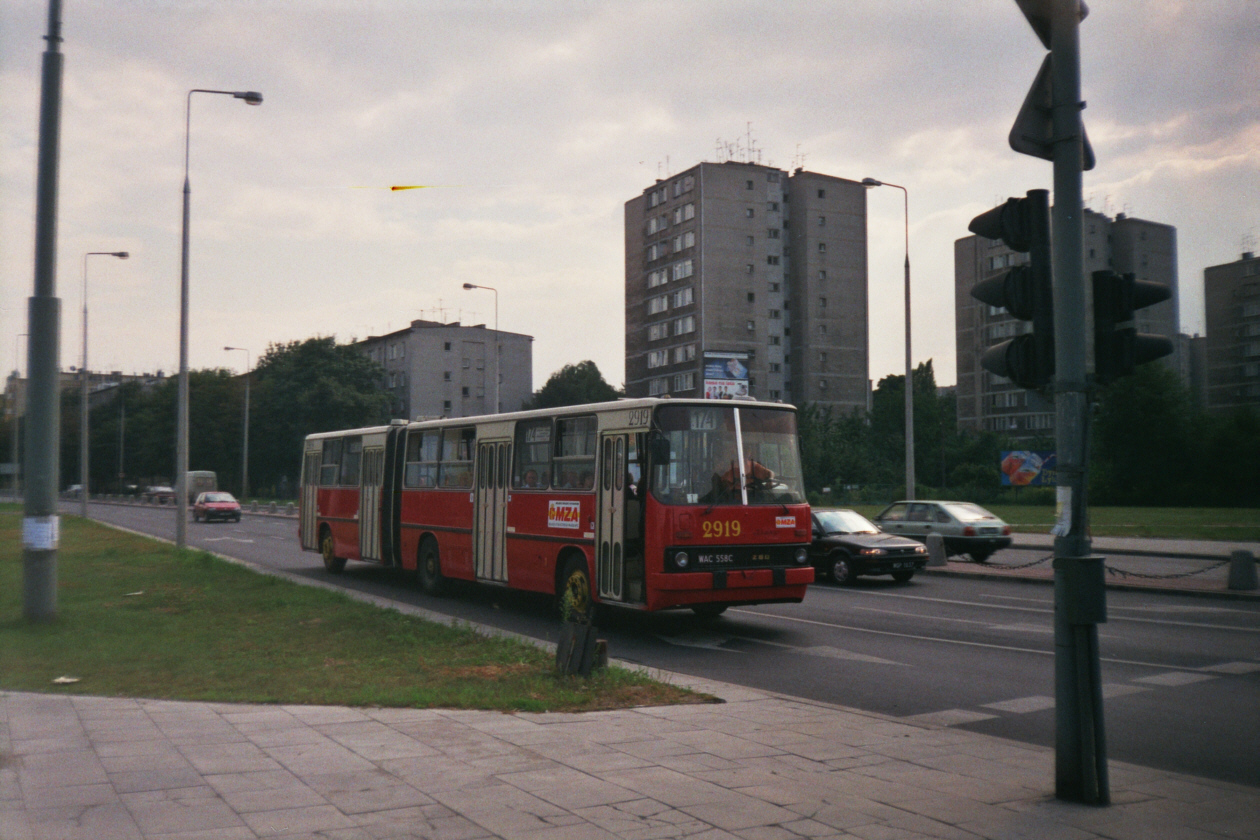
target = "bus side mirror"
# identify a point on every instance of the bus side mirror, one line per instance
(660, 451)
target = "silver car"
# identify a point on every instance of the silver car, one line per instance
(966, 527)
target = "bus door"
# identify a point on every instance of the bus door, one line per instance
(494, 461)
(620, 567)
(373, 470)
(310, 499)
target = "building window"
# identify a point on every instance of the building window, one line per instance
(772, 260)
(822, 275)
(658, 304)
(463, 392)
(774, 287)
(751, 326)
(682, 326)
(773, 233)
(772, 177)
(688, 183)
(822, 247)
(822, 221)
(447, 347)
(658, 331)
(822, 193)
(748, 213)
(689, 211)
(775, 367)
(748, 185)
(822, 303)
(657, 278)
(446, 406)
(772, 206)
(683, 269)
(822, 329)
(748, 240)
(657, 387)
(774, 313)
(775, 395)
(683, 297)
(686, 353)
(656, 251)
(774, 339)
(749, 268)
(658, 358)
(684, 381)
(446, 376)
(752, 297)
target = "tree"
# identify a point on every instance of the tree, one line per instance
(574, 385)
(303, 387)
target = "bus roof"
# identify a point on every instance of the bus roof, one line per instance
(585, 408)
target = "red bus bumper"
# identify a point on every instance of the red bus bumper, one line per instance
(734, 586)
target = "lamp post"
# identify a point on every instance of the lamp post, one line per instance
(83, 392)
(496, 338)
(181, 420)
(17, 460)
(245, 444)
(868, 183)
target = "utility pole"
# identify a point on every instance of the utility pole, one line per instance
(40, 524)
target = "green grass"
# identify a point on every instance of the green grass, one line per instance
(1232, 524)
(139, 618)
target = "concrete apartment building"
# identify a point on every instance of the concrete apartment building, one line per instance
(747, 279)
(987, 402)
(1232, 295)
(434, 369)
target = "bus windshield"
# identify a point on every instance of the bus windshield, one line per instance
(726, 454)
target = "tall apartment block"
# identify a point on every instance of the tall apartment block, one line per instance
(1232, 294)
(987, 402)
(448, 370)
(746, 279)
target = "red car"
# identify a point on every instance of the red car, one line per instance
(216, 505)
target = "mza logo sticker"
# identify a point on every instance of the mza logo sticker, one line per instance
(785, 522)
(564, 515)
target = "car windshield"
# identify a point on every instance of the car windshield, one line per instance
(726, 454)
(967, 512)
(219, 497)
(844, 522)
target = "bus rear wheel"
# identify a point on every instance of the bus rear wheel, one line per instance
(334, 564)
(574, 592)
(429, 569)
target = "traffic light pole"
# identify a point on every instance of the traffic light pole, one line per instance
(1080, 601)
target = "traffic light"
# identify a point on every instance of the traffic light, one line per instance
(1118, 346)
(1026, 291)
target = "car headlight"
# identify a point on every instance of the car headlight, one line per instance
(681, 559)
(871, 551)
(801, 556)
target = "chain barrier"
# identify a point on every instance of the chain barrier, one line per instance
(1111, 570)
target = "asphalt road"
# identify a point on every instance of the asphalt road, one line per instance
(1181, 674)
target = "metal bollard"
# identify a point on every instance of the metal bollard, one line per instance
(936, 551)
(1242, 571)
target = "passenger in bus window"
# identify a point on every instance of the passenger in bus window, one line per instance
(531, 479)
(587, 481)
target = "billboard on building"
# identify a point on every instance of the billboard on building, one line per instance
(725, 375)
(1026, 468)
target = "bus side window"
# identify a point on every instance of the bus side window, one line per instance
(422, 458)
(330, 465)
(533, 455)
(457, 457)
(351, 461)
(575, 453)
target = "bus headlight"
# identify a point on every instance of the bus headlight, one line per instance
(801, 556)
(681, 559)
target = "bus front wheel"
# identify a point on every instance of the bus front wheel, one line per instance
(429, 567)
(334, 564)
(574, 593)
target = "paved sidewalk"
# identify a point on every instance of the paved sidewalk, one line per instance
(757, 767)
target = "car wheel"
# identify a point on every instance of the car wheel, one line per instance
(902, 577)
(429, 569)
(842, 569)
(334, 564)
(708, 610)
(574, 593)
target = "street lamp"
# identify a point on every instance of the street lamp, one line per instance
(83, 392)
(496, 338)
(245, 445)
(181, 421)
(869, 183)
(17, 460)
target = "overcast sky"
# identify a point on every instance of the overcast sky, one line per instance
(535, 122)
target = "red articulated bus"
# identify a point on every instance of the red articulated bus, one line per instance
(650, 504)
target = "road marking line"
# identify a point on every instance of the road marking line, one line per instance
(1234, 668)
(1023, 705)
(1022, 628)
(1110, 690)
(950, 717)
(1175, 678)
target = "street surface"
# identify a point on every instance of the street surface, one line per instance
(1181, 673)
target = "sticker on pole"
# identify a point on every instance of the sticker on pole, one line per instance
(41, 533)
